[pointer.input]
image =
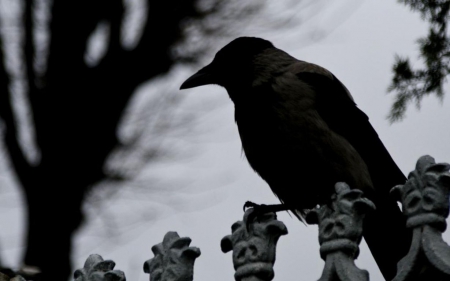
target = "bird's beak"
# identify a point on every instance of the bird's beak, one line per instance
(204, 76)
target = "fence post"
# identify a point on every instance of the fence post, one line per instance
(174, 259)
(254, 248)
(425, 202)
(4, 277)
(340, 232)
(97, 269)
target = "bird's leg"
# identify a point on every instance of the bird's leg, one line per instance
(260, 210)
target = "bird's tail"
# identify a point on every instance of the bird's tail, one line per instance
(301, 215)
(386, 235)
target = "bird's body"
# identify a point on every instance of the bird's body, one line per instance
(281, 131)
(302, 132)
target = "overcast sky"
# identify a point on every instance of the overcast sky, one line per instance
(202, 195)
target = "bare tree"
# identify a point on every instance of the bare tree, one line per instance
(76, 95)
(67, 74)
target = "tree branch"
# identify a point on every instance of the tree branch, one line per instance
(413, 85)
(69, 34)
(115, 17)
(29, 46)
(29, 56)
(17, 157)
(163, 28)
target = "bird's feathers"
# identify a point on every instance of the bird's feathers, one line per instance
(386, 225)
(319, 136)
(302, 132)
(336, 107)
(290, 146)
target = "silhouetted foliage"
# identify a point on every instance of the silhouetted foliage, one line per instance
(411, 85)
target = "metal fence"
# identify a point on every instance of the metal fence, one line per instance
(425, 203)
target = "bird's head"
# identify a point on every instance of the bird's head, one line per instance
(233, 66)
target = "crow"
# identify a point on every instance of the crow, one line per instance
(302, 132)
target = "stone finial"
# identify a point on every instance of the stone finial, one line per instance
(174, 259)
(17, 278)
(254, 248)
(26, 272)
(340, 232)
(425, 203)
(97, 269)
(4, 277)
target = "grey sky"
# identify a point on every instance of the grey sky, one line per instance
(212, 186)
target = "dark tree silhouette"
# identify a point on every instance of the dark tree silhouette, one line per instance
(412, 85)
(76, 108)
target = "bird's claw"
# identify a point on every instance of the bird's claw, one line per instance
(250, 204)
(258, 211)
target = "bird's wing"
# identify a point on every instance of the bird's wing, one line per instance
(336, 107)
(384, 229)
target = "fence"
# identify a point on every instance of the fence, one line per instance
(425, 203)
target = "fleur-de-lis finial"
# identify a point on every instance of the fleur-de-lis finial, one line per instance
(174, 259)
(97, 269)
(4, 277)
(254, 247)
(425, 203)
(340, 232)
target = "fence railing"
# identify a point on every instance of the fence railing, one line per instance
(425, 203)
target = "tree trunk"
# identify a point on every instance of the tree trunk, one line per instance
(53, 216)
